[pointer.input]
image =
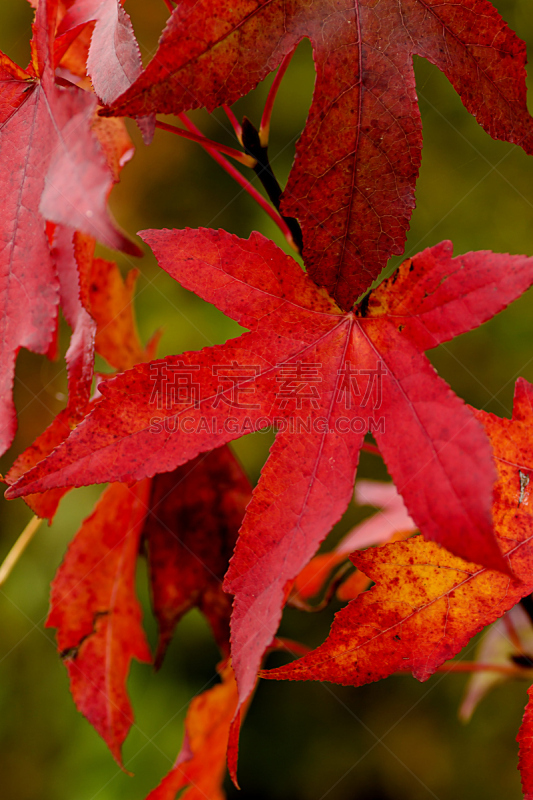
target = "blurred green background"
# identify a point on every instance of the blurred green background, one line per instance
(389, 741)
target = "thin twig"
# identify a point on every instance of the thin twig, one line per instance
(264, 127)
(246, 185)
(242, 158)
(289, 645)
(335, 581)
(371, 448)
(18, 548)
(237, 127)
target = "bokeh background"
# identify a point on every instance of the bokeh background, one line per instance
(393, 740)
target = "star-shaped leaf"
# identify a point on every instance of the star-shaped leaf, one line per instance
(324, 378)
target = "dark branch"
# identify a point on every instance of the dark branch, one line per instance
(263, 170)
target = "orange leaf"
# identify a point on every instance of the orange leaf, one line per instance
(115, 142)
(313, 577)
(201, 763)
(111, 306)
(354, 584)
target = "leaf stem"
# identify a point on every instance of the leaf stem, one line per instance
(335, 581)
(18, 548)
(371, 448)
(242, 158)
(237, 127)
(264, 127)
(246, 185)
(290, 645)
(169, 5)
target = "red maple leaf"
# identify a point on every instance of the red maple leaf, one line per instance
(323, 377)
(362, 141)
(57, 171)
(94, 607)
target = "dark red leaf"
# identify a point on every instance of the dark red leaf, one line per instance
(361, 145)
(190, 531)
